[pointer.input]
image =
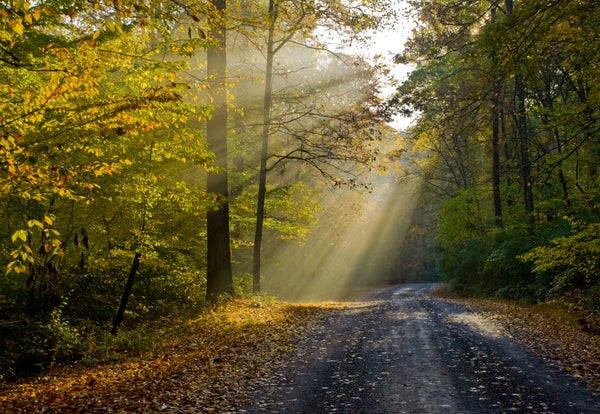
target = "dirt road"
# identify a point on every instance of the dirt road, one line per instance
(402, 351)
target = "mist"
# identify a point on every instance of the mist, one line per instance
(358, 243)
(357, 240)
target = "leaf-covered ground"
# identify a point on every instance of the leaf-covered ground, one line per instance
(548, 330)
(205, 365)
(212, 363)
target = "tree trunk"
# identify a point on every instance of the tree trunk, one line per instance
(496, 136)
(219, 279)
(496, 155)
(523, 137)
(126, 293)
(523, 134)
(262, 181)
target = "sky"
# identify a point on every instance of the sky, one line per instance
(384, 45)
(389, 44)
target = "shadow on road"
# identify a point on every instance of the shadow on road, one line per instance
(399, 350)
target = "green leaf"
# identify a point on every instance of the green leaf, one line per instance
(35, 223)
(19, 235)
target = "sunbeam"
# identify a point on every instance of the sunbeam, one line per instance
(357, 244)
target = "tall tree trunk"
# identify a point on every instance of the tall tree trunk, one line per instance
(219, 278)
(262, 180)
(523, 137)
(496, 154)
(523, 134)
(496, 134)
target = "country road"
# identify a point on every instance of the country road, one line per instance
(402, 351)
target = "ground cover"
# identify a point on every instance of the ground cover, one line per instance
(549, 330)
(207, 364)
(213, 362)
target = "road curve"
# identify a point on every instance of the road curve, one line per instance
(402, 351)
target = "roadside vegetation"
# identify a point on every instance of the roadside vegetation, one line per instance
(506, 144)
(208, 363)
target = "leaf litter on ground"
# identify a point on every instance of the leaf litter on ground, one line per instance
(213, 363)
(207, 364)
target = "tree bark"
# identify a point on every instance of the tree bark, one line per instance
(219, 279)
(496, 155)
(523, 137)
(521, 118)
(262, 181)
(126, 293)
(496, 136)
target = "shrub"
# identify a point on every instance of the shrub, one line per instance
(572, 264)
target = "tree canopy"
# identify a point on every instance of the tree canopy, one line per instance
(107, 154)
(506, 142)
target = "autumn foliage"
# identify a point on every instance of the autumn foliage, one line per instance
(207, 364)
(104, 158)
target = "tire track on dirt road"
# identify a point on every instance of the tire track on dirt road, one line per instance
(402, 351)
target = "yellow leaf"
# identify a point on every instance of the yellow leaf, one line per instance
(34, 223)
(36, 14)
(28, 19)
(48, 220)
(17, 27)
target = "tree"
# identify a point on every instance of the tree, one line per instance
(264, 152)
(496, 113)
(513, 74)
(294, 22)
(89, 92)
(218, 272)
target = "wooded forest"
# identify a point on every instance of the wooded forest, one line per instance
(153, 154)
(506, 143)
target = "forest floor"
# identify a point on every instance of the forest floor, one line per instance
(214, 362)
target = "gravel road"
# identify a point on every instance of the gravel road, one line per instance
(402, 351)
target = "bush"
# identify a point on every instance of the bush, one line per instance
(507, 276)
(30, 346)
(461, 267)
(571, 264)
(77, 328)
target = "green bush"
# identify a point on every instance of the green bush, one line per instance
(29, 346)
(571, 265)
(506, 275)
(461, 267)
(77, 328)
(243, 284)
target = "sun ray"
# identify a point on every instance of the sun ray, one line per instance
(357, 244)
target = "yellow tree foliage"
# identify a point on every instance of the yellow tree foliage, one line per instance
(83, 87)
